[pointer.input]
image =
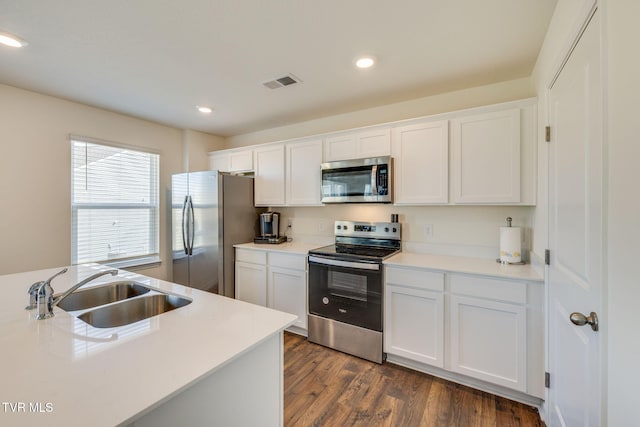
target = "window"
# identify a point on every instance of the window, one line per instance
(114, 204)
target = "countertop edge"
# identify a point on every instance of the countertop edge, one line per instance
(466, 265)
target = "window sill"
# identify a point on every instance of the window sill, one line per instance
(135, 264)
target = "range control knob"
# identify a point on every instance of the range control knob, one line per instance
(344, 227)
(338, 227)
(394, 230)
(386, 229)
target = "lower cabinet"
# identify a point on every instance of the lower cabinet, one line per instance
(480, 327)
(273, 279)
(251, 283)
(488, 341)
(414, 315)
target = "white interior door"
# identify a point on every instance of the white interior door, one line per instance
(575, 234)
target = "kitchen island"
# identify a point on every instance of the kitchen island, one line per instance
(215, 361)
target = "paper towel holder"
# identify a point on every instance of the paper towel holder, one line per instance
(499, 261)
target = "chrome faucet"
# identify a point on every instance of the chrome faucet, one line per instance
(45, 301)
(33, 290)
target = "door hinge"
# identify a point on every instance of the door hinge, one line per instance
(547, 257)
(547, 134)
(547, 379)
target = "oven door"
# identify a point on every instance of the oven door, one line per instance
(346, 291)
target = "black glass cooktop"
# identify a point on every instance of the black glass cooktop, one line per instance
(355, 251)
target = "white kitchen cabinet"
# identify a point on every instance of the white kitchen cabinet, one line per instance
(269, 175)
(303, 174)
(288, 292)
(371, 142)
(274, 279)
(251, 283)
(486, 159)
(488, 330)
(414, 315)
(219, 161)
(231, 160)
(421, 163)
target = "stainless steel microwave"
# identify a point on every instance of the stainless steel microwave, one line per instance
(358, 181)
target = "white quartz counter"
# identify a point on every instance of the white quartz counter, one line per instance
(288, 247)
(62, 371)
(482, 266)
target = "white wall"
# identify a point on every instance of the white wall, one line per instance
(456, 230)
(35, 170)
(442, 103)
(623, 224)
(196, 147)
(622, 175)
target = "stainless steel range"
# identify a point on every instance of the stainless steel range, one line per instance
(346, 287)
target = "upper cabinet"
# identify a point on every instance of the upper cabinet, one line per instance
(371, 142)
(479, 156)
(303, 175)
(268, 162)
(493, 157)
(231, 160)
(421, 159)
(288, 174)
(486, 157)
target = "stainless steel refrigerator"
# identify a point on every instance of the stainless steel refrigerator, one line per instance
(211, 212)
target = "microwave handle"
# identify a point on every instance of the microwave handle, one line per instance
(374, 180)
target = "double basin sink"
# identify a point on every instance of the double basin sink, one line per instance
(119, 303)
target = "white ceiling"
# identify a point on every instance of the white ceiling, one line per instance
(158, 59)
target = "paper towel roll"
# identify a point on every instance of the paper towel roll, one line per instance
(510, 245)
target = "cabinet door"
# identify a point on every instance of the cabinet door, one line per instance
(486, 157)
(340, 147)
(358, 144)
(241, 161)
(219, 162)
(269, 175)
(414, 324)
(421, 156)
(251, 283)
(372, 143)
(288, 293)
(303, 172)
(488, 341)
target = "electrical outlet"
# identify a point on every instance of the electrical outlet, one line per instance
(321, 226)
(428, 231)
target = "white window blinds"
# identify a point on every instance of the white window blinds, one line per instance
(114, 203)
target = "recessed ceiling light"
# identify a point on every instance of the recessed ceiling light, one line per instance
(365, 62)
(205, 110)
(11, 40)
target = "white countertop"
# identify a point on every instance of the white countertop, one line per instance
(289, 247)
(89, 376)
(482, 266)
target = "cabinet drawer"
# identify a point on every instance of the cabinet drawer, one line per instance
(253, 257)
(292, 261)
(501, 290)
(420, 279)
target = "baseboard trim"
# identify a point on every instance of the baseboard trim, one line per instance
(467, 381)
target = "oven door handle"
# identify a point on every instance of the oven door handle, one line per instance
(347, 264)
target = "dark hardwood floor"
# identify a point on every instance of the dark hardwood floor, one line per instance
(323, 387)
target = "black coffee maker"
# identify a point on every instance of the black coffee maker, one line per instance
(270, 228)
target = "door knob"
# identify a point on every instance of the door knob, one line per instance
(581, 320)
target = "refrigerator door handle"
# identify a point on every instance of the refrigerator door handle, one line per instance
(185, 225)
(191, 227)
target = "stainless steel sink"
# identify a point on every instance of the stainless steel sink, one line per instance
(101, 295)
(133, 310)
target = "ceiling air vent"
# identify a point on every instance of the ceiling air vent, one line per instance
(287, 80)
